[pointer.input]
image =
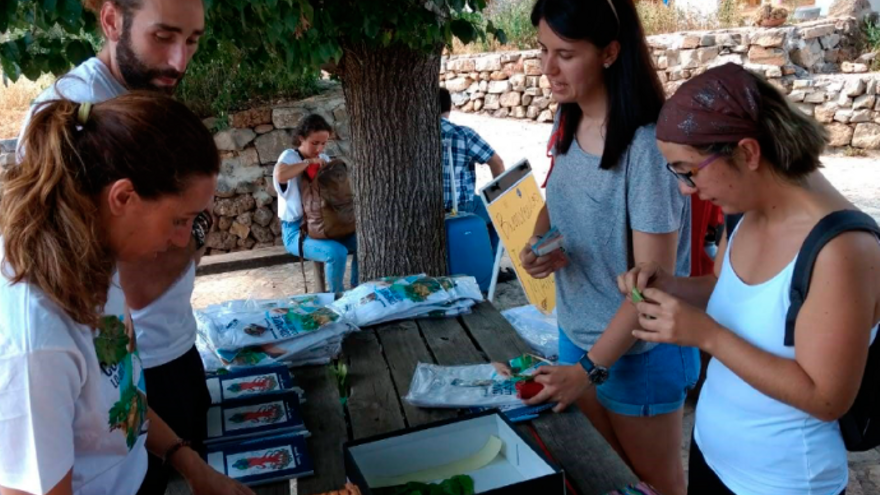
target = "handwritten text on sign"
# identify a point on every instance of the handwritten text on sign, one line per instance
(514, 214)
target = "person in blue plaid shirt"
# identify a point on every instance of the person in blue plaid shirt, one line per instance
(466, 148)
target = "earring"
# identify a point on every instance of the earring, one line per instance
(607, 65)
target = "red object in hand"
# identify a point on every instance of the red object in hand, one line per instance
(312, 170)
(529, 389)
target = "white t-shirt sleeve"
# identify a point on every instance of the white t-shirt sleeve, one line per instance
(288, 157)
(37, 409)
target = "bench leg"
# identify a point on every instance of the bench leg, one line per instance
(319, 277)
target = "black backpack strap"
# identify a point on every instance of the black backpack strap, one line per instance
(827, 229)
(730, 222)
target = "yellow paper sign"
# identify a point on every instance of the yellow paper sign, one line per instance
(514, 215)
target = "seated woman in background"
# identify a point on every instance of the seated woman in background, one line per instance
(310, 139)
(766, 420)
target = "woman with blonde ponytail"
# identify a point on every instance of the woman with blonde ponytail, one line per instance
(121, 180)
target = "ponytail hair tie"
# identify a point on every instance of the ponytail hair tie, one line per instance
(82, 114)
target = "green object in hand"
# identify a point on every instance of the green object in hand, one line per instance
(457, 485)
(637, 296)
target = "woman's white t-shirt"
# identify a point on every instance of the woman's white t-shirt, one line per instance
(70, 398)
(166, 329)
(289, 201)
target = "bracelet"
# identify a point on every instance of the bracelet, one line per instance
(173, 450)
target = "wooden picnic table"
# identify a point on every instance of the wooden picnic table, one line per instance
(381, 362)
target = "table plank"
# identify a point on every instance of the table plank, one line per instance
(449, 342)
(374, 406)
(404, 349)
(325, 419)
(590, 464)
(493, 334)
(280, 488)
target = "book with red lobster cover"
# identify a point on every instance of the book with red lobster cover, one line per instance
(251, 382)
(262, 460)
(266, 415)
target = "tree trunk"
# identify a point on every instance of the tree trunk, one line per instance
(391, 97)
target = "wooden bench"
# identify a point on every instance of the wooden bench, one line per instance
(257, 258)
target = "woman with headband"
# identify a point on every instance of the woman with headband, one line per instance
(122, 180)
(615, 205)
(766, 420)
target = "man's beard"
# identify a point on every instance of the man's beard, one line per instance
(136, 73)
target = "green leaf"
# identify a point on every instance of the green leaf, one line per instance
(49, 6)
(71, 15)
(371, 28)
(464, 31)
(7, 13)
(10, 69)
(30, 68)
(501, 36)
(78, 52)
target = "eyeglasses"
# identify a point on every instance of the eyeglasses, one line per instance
(688, 177)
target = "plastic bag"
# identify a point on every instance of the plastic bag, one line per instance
(238, 328)
(460, 387)
(295, 330)
(448, 310)
(397, 298)
(540, 331)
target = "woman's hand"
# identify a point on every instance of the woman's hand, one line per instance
(540, 267)
(562, 384)
(666, 319)
(641, 277)
(203, 479)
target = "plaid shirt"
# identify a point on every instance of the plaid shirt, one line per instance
(467, 149)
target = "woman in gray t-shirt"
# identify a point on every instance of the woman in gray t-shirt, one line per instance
(612, 199)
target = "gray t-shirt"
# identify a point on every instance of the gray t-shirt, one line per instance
(595, 210)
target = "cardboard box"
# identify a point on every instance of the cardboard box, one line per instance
(517, 469)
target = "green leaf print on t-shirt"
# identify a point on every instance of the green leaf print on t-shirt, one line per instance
(111, 342)
(116, 349)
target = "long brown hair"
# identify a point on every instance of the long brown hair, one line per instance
(49, 214)
(635, 94)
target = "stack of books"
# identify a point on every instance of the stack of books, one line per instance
(256, 432)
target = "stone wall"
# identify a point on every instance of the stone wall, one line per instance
(847, 104)
(246, 204)
(512, 84)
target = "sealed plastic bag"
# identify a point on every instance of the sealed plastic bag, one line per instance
(461, 386)
(540, 331)
(403, 297)
(234, 329)
(294, 330)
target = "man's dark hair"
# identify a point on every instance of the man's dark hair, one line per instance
(445, 101)
(127, 6)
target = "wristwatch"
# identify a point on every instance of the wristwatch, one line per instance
(597, 374)
(201, 227)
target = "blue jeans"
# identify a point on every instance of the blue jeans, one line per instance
(481, 211)
(647, 384)
(333, 253)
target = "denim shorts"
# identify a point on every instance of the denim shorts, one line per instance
(647, 384)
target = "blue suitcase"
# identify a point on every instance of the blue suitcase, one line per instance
(468, 249)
